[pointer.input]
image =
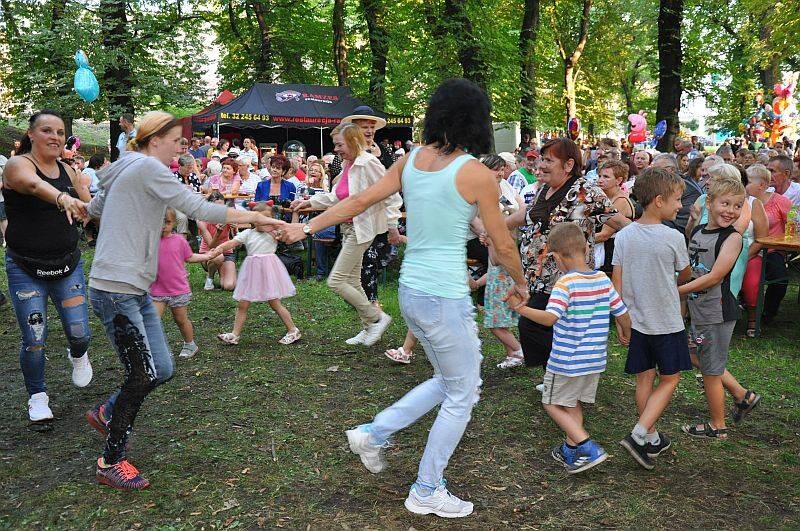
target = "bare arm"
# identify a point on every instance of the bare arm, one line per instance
(694, 217)
(624, 328)
(616, 279)
(538, 316)
(685, 275)
(20, 175)
(608, 231)
(227, 246)
(760, 227)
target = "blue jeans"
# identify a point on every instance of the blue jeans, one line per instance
(29, 297)
(134, 329)
(447, 331)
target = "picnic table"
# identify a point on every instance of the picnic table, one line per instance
(775, 243)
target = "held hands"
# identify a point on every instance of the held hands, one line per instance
(624, 334)
(290, 233)
(394, 236)
(75, 209)
(213, 253)
(299, 204)
(517, 296)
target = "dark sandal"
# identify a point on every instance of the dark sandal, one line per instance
(741, 409)
(751, 329)
(705, 430)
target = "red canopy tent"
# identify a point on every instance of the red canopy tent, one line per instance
(224, 98)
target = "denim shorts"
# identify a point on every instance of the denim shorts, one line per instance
(173, 301)
(667, 352)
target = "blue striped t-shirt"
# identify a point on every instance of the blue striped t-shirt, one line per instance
(582, 302)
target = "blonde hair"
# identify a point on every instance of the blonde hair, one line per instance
(154, 123)
(618, 168)
(726, 185)
(718, 171)
(758, 172)
(567, 239)
(352, 136)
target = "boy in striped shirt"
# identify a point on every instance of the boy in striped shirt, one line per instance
(578, 312)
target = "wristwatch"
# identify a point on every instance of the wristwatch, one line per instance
(307, 229)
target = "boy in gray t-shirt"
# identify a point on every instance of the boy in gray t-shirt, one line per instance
(714, 249)
(647, 255)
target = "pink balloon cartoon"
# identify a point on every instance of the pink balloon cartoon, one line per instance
(638, 128)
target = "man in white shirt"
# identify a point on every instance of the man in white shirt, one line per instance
(780, 168)
(128, 133)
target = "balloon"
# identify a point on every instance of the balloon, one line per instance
(85, 82)
(574, 127)
(638, 125)
(661, 128)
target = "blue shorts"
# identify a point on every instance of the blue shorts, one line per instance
(667, 352)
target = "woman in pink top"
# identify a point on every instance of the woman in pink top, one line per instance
(214, 235)
(227, 182)
(360, 171)
(777, 208)
(171, 287)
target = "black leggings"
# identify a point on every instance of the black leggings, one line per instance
(536, 339)
(375, 259)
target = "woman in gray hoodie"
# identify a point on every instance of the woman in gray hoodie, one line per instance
(133, 196)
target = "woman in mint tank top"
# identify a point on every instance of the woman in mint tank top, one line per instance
(444, 187)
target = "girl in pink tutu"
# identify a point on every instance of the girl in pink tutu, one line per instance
(262, 277)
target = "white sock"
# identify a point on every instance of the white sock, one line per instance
(639, 433)
(653, 438)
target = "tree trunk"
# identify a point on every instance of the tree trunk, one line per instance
(469, 49)
(670, 59)
(265, 73)
(527, 73)
(61, 57)
(769, 75)
(374, 12)
(571, 61)
(339, 43)
(117, 79)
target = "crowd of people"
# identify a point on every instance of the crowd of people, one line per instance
(554, 239)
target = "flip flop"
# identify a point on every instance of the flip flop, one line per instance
(399, 355)
(705, 430)
(228, 338)
(290, 337)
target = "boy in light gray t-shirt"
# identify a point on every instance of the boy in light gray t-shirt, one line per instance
(647, 254)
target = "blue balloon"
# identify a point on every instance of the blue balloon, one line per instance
(661, 128)
(85, 82)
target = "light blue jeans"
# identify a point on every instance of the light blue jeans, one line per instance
(447, 331)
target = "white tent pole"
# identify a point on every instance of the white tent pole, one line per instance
(321, 151)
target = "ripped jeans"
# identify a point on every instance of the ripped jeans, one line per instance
(447, 331)
(134, 329)
(29, 296)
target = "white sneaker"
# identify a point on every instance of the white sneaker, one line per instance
(371, 455)
(209, 285)
(540, 388)
(357, 339)
(188, 350)
(376, 330)
(81, 370)
(38, 408)
(441, 503)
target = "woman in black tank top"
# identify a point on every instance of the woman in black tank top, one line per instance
(611, 175)
(42, 258)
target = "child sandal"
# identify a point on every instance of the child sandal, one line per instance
(511, 361)
(399, 355)
(228, 338)
(290, 337)
(741, 409)
(705, 430)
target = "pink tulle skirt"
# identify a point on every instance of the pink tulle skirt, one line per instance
(263, 277)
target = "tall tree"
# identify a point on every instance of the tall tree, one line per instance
(340, 44)
(570, 55)
(670, 60)
(467, 43)
(117, 78)
(527, 72)
(374, 13)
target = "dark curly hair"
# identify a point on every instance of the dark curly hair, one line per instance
(458, 117)
(280, 161)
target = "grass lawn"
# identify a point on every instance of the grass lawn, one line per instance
(252, 436)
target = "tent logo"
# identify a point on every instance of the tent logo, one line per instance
(287, 95)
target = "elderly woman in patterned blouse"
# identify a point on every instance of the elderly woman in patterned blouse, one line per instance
(565, 195)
